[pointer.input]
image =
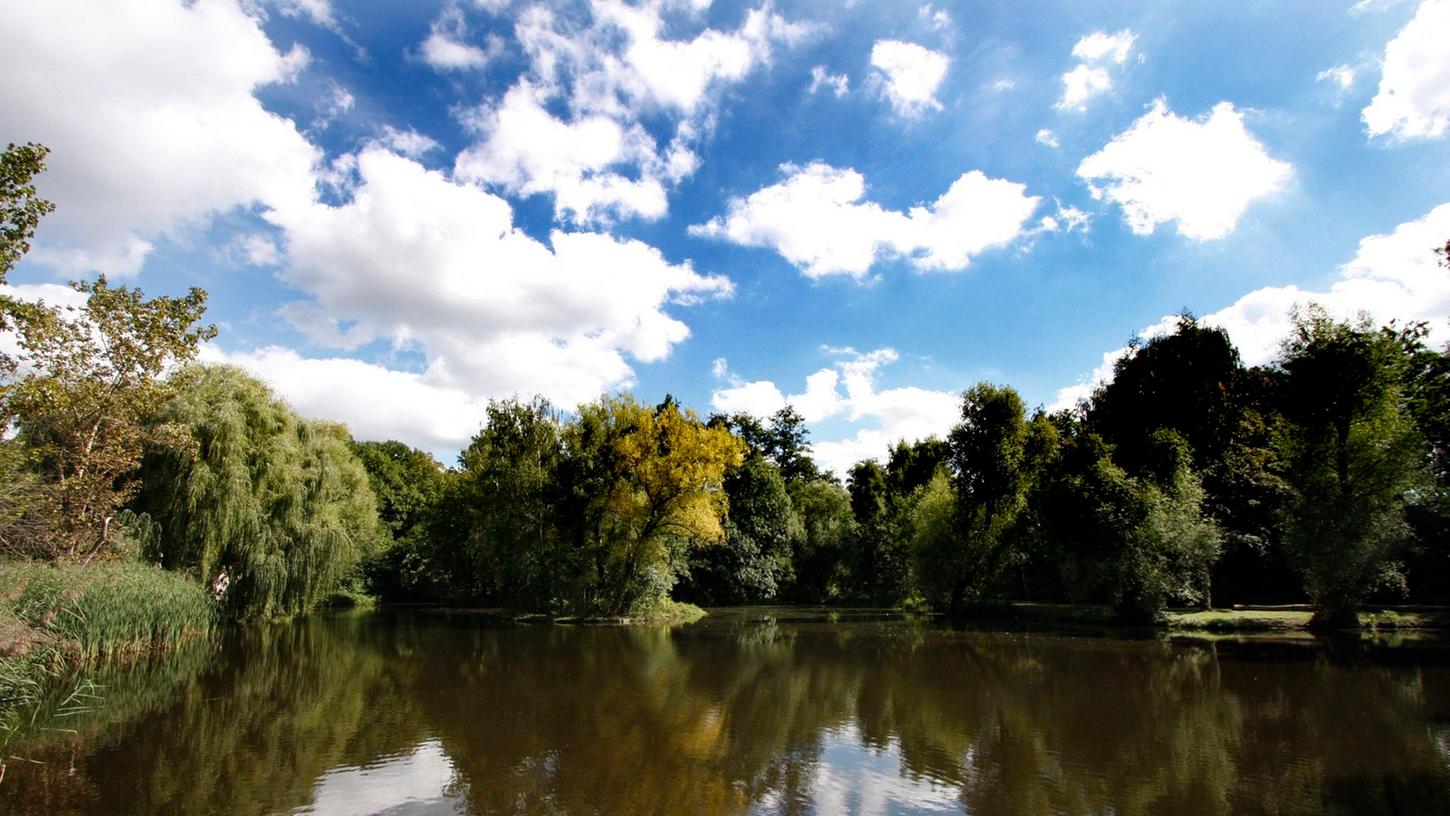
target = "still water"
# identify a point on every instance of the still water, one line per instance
(755, 711)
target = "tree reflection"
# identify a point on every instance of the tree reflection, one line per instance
(757, 715)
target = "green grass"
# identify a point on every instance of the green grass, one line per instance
(108, 607)
(1241, 620)
(54, 617)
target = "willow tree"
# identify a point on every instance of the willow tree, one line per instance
(271, 510)
(647, 483)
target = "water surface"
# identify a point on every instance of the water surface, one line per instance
(759, 711)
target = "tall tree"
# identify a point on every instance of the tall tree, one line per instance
(991, 478)
(272, 511)
(1352, 456)
(753, 561)
(509, 476)
(81, 389)
(648, 483)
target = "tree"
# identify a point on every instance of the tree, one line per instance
(822, 569)
(1182, 381)
(1352, 456)
(270, 510)
(647, 485)
(991, 453)
(80, 392)
(21, 206)
(754, 560)
(1135, 542)
(408, 485)
(509, 476)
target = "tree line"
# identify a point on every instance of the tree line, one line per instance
(1187, 479)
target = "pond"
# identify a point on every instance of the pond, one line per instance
(750, 711)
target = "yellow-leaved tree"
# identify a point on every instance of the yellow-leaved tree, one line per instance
(649, 484)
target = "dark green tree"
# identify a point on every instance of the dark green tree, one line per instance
(754, 561)
(1352, 456)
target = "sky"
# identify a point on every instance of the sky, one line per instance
(402, 210)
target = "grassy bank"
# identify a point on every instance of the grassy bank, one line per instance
(1238, 619)
(53, 617)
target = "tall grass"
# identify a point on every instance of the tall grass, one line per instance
(108, 608)
(54, 616)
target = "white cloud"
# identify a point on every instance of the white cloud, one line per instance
(408, 142)
(435, 265)
(1048, 138)
(817, 220)
(1101, 46)
(447, 48)
(1090, 77)
(839, 84)
(910, 75)
(1413, 101)
(1201, 174)
(527, 150)
(892, 415)
(1341, 75)
(612, 72)
(103, 85)
(375, 402)
(1393, 276)
(1081, 84)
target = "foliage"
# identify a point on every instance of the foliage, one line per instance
(516, 547)
(86, 382)
(108, 608)
(991, 474)
(270, 510)
(21, 206)
(754, 561)
(1136, 542)
(648, 483)
(1353, 457)
(822, 556)
(405, 480)
(782, 441)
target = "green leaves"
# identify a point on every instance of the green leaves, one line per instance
(21, 206)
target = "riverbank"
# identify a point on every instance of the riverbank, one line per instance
(1239, 619)
(55, 616)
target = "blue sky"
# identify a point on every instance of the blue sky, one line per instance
(403, 209)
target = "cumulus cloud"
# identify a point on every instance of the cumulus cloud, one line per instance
(447, 48)
(818, 220)
(848, 390)
(839, 84)
(1413, 101)
(530, 151)
(1393, 276)
(610, 73)
(1097, 52)
(425, 262)
(1201, 174)
(375, 402)
(1047, 138)
(909, 75)
(106, 86)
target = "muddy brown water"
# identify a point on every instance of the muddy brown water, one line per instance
(750, 711)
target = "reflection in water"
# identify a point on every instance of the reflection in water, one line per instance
(422, 713)
(419, 783)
